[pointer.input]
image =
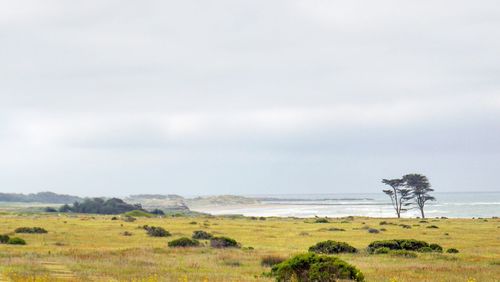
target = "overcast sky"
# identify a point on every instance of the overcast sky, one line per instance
(106, 98)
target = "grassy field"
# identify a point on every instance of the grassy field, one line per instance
(83, 248)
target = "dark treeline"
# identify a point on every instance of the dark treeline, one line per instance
(101, 206)
(42, 197)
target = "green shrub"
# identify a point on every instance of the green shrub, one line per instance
(425, 250)
(386, 223)
(201, 235)
(4, 239)
(398, 244)
(313, 267)
(436, 248)
(271, 260)
(335, 229)
(382, 250)
(403, 253)
(183, 243)
(373, 230)
(156, 231)
(16, 241)
(321, 220)
(38, 230)
(332, 247)
(223, 242)
(405, 226)
(452, 251)
(432, 227)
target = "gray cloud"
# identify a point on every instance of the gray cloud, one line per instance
(247, 97)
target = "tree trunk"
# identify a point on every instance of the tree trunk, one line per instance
(422, 211)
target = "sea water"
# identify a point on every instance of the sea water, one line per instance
(453, 205)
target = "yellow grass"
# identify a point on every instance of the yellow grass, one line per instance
(83, 248)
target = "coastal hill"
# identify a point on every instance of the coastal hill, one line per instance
(167, 203)
(41, 197)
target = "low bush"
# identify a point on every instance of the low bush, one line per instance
(4, 239)
(452, 251)
(432, 227)
(126, 233)
(373, 231)
(49, 209)
(271, 260)
(436, 248)
(37, 230)
(381, 250)
(16, 241)
(201, 235)
(335, 229)
(156, 231)
(321, 220)
(403, 253)
(425, 250)
(223, 242)
(405, 226)
(404, 244)
(386, 223)
(183, 243)
(332, 247)
(313, 267)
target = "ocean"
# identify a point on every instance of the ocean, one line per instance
(453, 205)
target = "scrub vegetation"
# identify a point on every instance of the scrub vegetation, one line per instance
(83, 247)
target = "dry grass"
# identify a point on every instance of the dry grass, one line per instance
(83, 248)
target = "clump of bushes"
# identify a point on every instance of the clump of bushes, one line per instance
(37, 230)
(16, 241)
(313, 267)
(4, 239)
(373, 230)
(452, 251)
(432, 227)
(436, 248)
(405, 226)
(335, 229)
(332, 247)
(49, 209)
(386, 223)
(156, 231)
(201, 235)
(183, 243)
(126, 233)
(271, 260)
(223, 242)
(321, 220)
(404, 244)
